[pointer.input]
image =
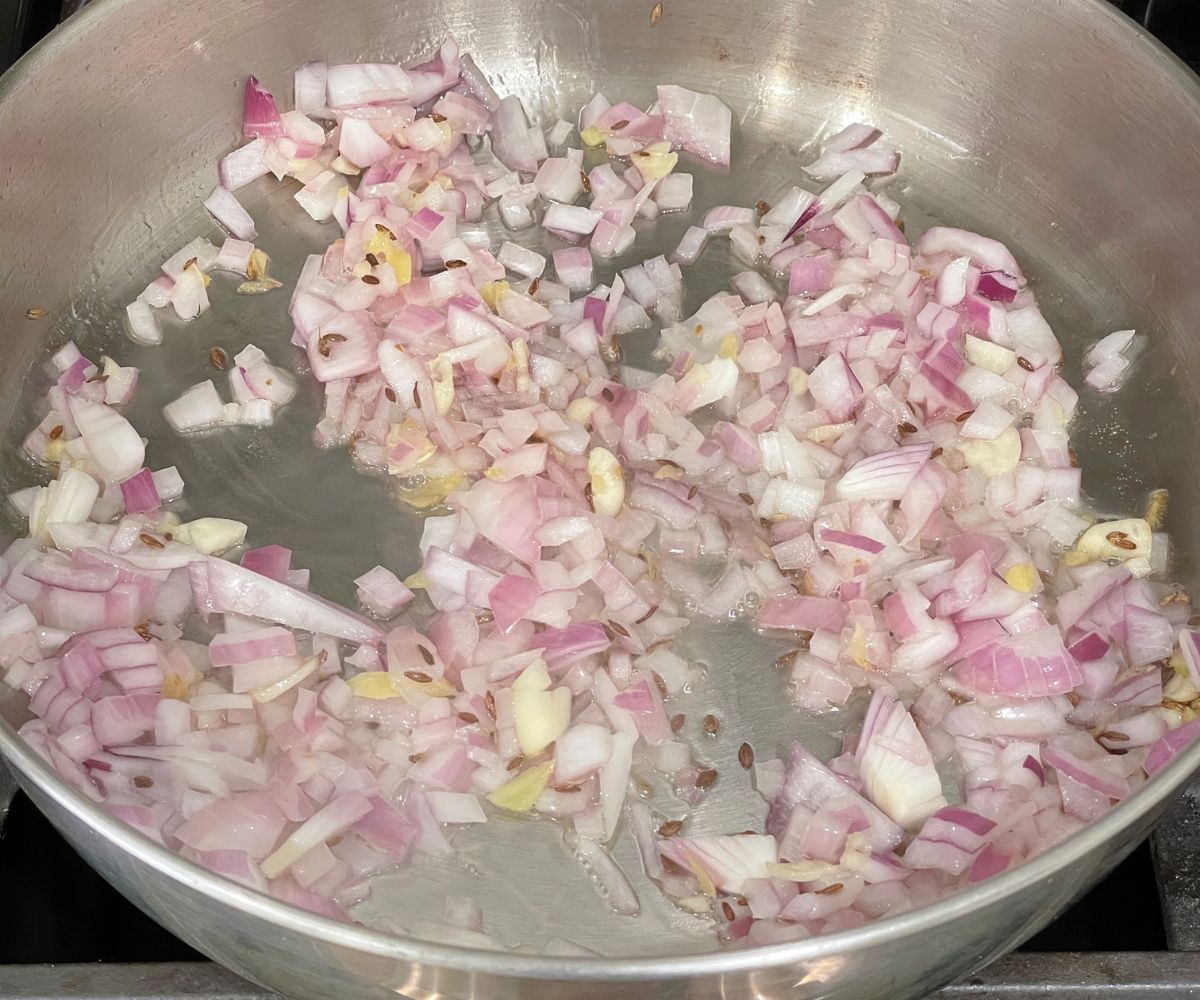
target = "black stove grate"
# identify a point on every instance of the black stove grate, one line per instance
(65, 933)
(1176, 23)
(68, 913)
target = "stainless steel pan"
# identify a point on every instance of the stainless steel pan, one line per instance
(1057, 126)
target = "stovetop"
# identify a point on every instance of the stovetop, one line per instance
(64, 933)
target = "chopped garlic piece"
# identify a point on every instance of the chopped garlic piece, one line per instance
(580, 410)
(520, 794)
(443, 384)
(803, 871)
(1156, 509)
(430, 490)
(493, 292)
(985, 354)
(607, 481)
(374, 684)
(1181, 689)
(258, 287)
(307, 169)
(535, 677)
(1176, 715)
(258, 265)
(996, 457)
(655, 161)
(211, 535)
(797, 380)
(540, 717)
(1052, 407)
(856, 648)
(419, 692)
(384, 248)
(1140, 566)
(828, 432)
(1022, 577)
(409, 434)
(520, 362)
(1126, 539)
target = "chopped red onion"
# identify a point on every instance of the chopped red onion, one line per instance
(700, 123)
(244, 165)
(841, 462)
(573, 265)
(1105, 365)
(228, 211)
(141, 493)
(143, 325)
(260, 116)
(381, 592)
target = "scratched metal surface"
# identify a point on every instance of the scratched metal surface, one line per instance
(1001, 129)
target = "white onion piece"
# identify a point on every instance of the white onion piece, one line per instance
(114, 445)
(611, 882)
(527, 263)
(143, 325)
(691, 245)
(228, 211)
(244, 165)
(199, 408)
(455, 807)
(897, 768)
(189, 296)
(68, 499)
(884, 476)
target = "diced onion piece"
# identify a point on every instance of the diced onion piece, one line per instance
(897, 769)
(115, 447)
(198, 409)
(143, 325)
(69, 499)
(228, 211)
(884, 476)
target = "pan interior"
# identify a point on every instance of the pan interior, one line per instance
(339, 522)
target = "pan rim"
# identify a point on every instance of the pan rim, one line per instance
(960, 905)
